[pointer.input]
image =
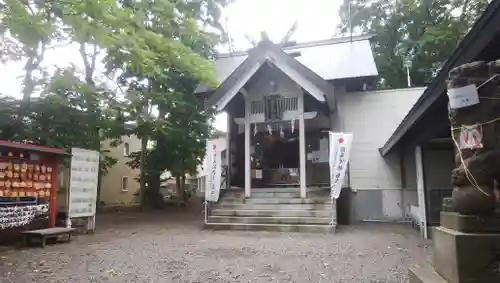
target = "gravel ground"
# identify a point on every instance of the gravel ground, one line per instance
(172, 248)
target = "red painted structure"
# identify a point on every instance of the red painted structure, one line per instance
(47, 156)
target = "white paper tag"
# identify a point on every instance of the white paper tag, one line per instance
(463, 96)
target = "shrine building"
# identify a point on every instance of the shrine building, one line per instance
(282, 100)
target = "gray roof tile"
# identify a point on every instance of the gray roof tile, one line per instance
(331, 59)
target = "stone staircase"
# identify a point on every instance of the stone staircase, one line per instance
(272, 209)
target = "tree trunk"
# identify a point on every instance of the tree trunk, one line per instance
(28, 82)
(154, 183)
(183, 188)
(28, 87)
(178, 185)
(155, 177)
(35, 57)
(142, 182)
(99, 184)
(89, 65)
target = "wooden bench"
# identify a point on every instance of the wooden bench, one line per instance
(49, 233)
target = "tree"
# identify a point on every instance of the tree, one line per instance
(29, 28)
(418, 34)
(185, 144)
(160, 73)
(155, 51)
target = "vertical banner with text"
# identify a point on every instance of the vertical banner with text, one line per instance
(83, 183)
(214, 171)
(340, 149)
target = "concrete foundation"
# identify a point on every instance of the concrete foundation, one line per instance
(466, 250)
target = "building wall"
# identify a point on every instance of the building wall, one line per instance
(409, 185)
(111, 188)
(438, 164)
(376, 182)
(273, 82)
(317, 166)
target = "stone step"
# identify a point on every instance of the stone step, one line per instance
(276, 189)
(270, 220)
(275, 201)
(265, 193)
(271, 227)
(272, 213)
(275, 194)
(271, 206)
(420, 274)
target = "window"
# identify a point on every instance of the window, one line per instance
(126, 149)
(124, 187)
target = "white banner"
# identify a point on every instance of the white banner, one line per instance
(214, 168)
(340, 149)
(83, 183)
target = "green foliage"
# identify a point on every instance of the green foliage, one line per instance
(424, 33)
(156, 51)
(28, 28)
(181, 49)
(69, 114)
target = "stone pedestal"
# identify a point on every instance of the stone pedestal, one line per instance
(466, 250)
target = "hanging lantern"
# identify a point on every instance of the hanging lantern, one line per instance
(255, 130)
(269, 130)
(292, 125)
(282, 133)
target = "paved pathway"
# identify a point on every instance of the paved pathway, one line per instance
(159, 248)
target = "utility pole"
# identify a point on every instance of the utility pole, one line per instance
(230, 40)
(350, 20)
(408, 75)
(407, 66)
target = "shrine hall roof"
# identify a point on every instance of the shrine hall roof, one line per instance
(336, 58)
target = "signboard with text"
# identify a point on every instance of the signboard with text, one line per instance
(214, 171)
(340, 149)
(83, 182)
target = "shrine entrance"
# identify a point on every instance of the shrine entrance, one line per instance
(275, 157)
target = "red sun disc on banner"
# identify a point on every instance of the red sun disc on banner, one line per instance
(341, 140)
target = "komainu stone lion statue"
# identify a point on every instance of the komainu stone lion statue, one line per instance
(477, 169)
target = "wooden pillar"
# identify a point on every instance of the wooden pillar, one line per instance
(248, 168)
(419, 166)
(228, 150)
(302, 148)
(402, 169)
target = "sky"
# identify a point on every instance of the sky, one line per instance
(316, 20)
